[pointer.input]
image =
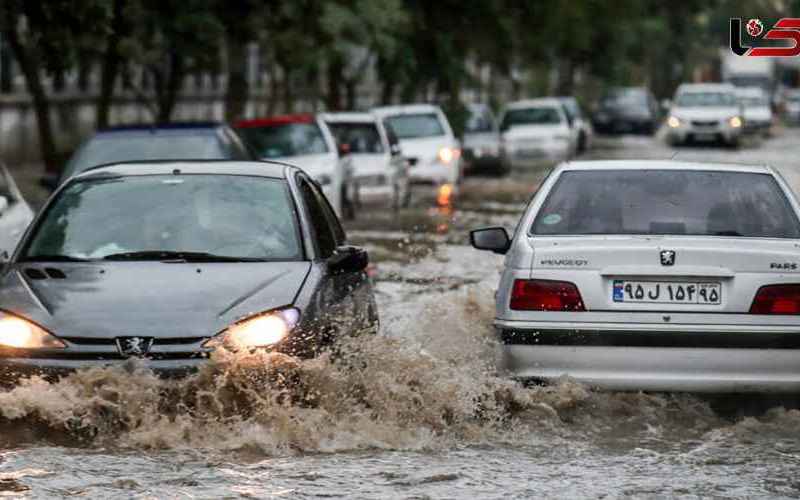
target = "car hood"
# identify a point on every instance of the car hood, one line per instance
(425, 147)
(107, 300)
(526, 131)
(478, 140)
(705, 113)
(759, 113)
(314, 165)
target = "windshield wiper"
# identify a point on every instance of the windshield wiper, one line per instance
(53, 258)
(177, 256)
(727, 233)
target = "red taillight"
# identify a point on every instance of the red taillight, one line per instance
(777, 299)
(545, 295)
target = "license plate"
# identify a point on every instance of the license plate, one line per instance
(665, 292)
(705, 136)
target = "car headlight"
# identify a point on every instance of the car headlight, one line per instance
(263, 330)
(735, 121)
(673, 122)
(448, 155)
(22, 334)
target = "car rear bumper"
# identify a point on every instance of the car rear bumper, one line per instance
(641, 357)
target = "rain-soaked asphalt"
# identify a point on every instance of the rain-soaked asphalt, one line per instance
(419, 415)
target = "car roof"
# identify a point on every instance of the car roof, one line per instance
(161, 128)
(271, 169)
(271, 121)
(406, 109)
(539, 101)
(706, 87)
(348, 117)
(661, 165)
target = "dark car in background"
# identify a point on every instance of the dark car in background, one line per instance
(481, 145)
(168, 261)
(626, 109)
(136, 142)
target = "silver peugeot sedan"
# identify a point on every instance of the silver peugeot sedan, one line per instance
(167, 261)
(653, 275)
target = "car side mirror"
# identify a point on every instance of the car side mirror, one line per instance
(344, 149)
(348, 259)
(395, 149)
(49, 182)
(494, 239)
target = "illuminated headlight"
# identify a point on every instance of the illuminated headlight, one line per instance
(264, 330)
(735, 121)
(324, 180)
(22, 334)
(673, 122)
(448, 155)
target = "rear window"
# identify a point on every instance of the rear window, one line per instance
(285, 140)
(411, 126)
(531, 116)
(667, 202)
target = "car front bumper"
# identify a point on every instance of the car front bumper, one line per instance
(654, 357)
(12, 369)
(689, 132)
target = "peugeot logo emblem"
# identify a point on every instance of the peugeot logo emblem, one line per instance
(667, 257)
(134, 346)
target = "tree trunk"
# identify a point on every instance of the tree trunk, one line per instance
(237, 92)
(41, 105)
(110, 66)
(566, 77)
(168, 95)
(333, 100)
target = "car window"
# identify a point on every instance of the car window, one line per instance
(411, 126)
(113, 148)
(753, 101)
(237, 150)
(657, 202)
(701, 99)
(330, 215)
(285, 140)
(479, 121)
(323, 233)
(363, 138)
(227, 215)
(545, 115)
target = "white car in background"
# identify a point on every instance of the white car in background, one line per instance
(304, 140)
(427, 141)
(654, 275)
(536, 131)
(15, 214)
(705, 112)
(756, 109)
(379, 168)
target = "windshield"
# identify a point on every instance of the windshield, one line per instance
(531, 116)
(286, 139)
(416, 125)
(479, 121)
(700, 99)
(117, 148)
(223, 215)
(625, 98)
(363, 138)
(658, 202)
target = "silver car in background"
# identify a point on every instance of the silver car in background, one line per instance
(482, 148)
(537, 131)
(704, 113)
(756, 110)
(653, 275)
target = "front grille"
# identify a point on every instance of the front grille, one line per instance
(704, 123)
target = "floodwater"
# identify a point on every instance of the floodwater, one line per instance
(415, 412)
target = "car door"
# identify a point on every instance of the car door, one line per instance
(344, 300)
(15, 214)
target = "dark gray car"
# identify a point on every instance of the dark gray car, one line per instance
(169, 260)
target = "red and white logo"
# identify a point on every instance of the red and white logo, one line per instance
(754, 27)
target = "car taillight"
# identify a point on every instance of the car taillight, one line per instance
(777, 299)
(545, 295)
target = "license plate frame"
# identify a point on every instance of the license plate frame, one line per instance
(702, 293)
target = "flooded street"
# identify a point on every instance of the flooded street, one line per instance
(416, 412)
